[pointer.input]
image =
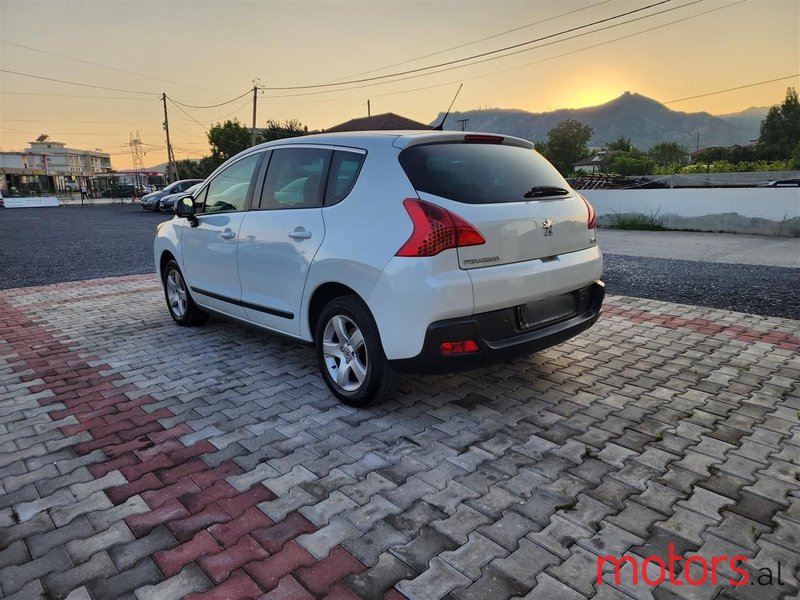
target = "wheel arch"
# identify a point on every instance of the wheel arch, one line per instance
(321, 296)
(165, 257)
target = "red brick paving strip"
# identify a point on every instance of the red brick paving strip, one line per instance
(211, 520)
(779, 339)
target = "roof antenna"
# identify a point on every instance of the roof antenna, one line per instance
(440, 126)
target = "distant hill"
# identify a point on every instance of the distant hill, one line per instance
(748, 120)
(644, 120)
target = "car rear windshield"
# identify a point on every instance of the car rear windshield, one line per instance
(478, 173)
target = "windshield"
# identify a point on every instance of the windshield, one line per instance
(479, 173)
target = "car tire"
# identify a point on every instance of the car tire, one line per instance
(179, 301)
(367, 376)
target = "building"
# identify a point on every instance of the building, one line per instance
(598, 163)
(386, 121)
(23, 173)
(48, 166)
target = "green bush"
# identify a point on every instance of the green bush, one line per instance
(723, 166)
(636, 221)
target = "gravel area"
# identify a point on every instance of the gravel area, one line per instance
(51, 245)
(39, 246)
(756, 289)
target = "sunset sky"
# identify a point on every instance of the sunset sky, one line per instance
(205, 53)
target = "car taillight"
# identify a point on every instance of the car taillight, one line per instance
(592, 223)
(436, 229)
(460, 347)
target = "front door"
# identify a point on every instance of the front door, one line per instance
(209, 250)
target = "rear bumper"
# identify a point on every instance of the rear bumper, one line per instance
(499, 337)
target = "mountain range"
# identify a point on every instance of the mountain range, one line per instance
(641, 119)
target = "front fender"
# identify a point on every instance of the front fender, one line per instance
(167, 239)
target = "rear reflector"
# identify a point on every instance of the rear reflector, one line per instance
(592, 223)
(436, 229)
(484, 139)
(462, 347)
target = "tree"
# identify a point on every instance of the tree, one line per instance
(669, 153)
(190, 169)
(780, 131)
(711, 155)
(566, 144)
(738, 154)
(278, 130)
(228, 139)
(621, 144)
(794, 163)
(625, 164)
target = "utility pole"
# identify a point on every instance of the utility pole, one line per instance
(256, 81)
(172, 168)
(369, 112)
(463, 123)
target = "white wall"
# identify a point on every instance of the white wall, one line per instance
(773, 211)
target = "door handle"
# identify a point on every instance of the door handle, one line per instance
(300, 234)
(227, 234)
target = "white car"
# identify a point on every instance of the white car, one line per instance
(389, 251)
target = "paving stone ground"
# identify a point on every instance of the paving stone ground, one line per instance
(143, 460)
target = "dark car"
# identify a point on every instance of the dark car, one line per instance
(783, 183)
(119, 191)
(167, 203)
(150, 201)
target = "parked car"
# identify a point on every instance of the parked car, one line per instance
(150, 201)
(389, 251)
(167, 203)
(783, 183)
(119, 191)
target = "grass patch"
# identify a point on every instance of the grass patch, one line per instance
(636, 221)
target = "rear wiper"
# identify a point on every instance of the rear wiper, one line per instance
(538, 191)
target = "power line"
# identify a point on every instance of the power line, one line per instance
(82, 122)
(583, 49)
(483, 39)
(474, 56)
(187, 114)
(212, 105)
(94, 64)
(493, 58)
(48, 94)
(198, 122)
(87, 85)
(100, 87)
(740, 87)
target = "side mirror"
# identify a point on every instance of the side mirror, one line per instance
(184, 208)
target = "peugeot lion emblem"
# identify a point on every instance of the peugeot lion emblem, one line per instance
(547, 226)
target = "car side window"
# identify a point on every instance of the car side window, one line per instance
(295, 178)
(345, 168)
(228, 190)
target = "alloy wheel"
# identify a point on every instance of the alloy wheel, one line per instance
(345, 353)
(176, 293)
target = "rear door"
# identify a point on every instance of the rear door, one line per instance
(514, 198)
(281, 235)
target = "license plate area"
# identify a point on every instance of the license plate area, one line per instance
(534, 315)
